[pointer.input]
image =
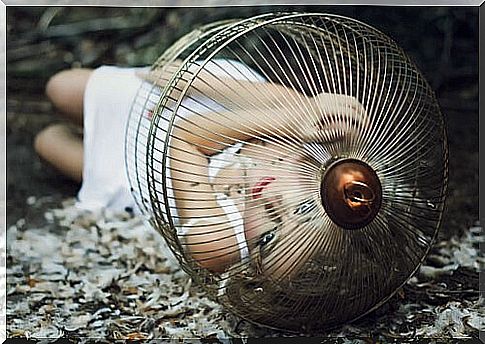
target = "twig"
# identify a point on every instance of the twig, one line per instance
(28, 50)
(96, 25)
(49, 14)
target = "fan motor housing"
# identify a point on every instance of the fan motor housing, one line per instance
(351, 193)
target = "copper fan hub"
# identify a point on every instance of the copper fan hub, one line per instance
(351, 193)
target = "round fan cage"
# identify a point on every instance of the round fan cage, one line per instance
(329, 145)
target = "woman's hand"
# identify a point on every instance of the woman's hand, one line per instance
(335, 116)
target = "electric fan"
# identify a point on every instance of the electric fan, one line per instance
(295, 163)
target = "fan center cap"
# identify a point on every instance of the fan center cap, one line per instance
(351, 193)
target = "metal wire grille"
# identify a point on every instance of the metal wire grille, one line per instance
(229, 149)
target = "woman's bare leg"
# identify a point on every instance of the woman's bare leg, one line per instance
(58, 144)
(66, 92)
(63, 149)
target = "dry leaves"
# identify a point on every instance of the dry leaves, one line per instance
(110, 275)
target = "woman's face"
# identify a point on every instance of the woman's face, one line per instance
(278, 205)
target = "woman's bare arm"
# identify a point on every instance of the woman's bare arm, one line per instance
(251, 109)
(197, 137)
(193, 140)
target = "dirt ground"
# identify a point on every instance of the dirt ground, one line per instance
(40, 41)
